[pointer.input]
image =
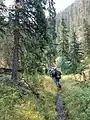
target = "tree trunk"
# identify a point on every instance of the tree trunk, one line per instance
(15, 50)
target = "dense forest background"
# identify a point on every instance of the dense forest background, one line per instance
(33, 38)
(27, 36)
(72, 24)
(76, 18)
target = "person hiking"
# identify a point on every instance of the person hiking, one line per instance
(57, 78)
(52, 73)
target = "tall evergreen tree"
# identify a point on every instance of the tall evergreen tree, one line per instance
(36, 41)
(75, 52)
(30, 26)
(64, 39)
(52, 32)
(86, 38)
(63, 47)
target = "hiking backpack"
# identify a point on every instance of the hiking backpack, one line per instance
(58, 74)
(53, 73)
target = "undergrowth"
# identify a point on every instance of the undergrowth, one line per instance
(34, 102)
(77, 99)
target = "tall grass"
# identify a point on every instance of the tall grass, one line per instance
(77, 99)
(19, 103)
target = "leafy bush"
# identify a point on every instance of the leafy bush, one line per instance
(69, 67)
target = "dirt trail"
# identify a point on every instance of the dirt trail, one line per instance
(60, 108)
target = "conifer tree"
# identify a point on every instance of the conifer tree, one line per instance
(52, 52)
(86, 38)
(64, 39)
(29, 23)
(64, 46)
(75, 52)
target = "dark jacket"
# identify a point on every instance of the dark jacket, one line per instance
(57, 74)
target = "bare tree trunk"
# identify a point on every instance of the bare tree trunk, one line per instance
(15, 50)
(15, 57)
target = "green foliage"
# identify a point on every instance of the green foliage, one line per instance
(29, 26)
(63, 48)
(51, 51)
(75, 53)
(77, 99)
(33, 35)
(18, 103)
(80, 68)
(71, 54)
(66, 66)
(64, 39)
(86, 38)
(8, 97)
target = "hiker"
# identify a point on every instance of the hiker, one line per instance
(52, 73)
(57, 77)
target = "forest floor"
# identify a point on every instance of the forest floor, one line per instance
(42, 101)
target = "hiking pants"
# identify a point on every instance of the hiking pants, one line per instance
(57, 81)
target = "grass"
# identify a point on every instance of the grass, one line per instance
(76, 95)
(16, 104)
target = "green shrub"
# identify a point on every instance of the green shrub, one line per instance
(80, 68)
(16, 104)
(77, 99)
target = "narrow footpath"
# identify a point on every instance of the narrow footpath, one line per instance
(61, 108)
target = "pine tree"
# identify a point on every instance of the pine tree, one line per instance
(74, 48)
(75, 52)
(86, 38)
(29, 23)
(86, 42)
(64, 39)
(63, 47)
(36, 42)
(52, 52)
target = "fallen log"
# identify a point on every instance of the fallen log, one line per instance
(8, 70)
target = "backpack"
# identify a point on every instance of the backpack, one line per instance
(53, 73)
(58, 74)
